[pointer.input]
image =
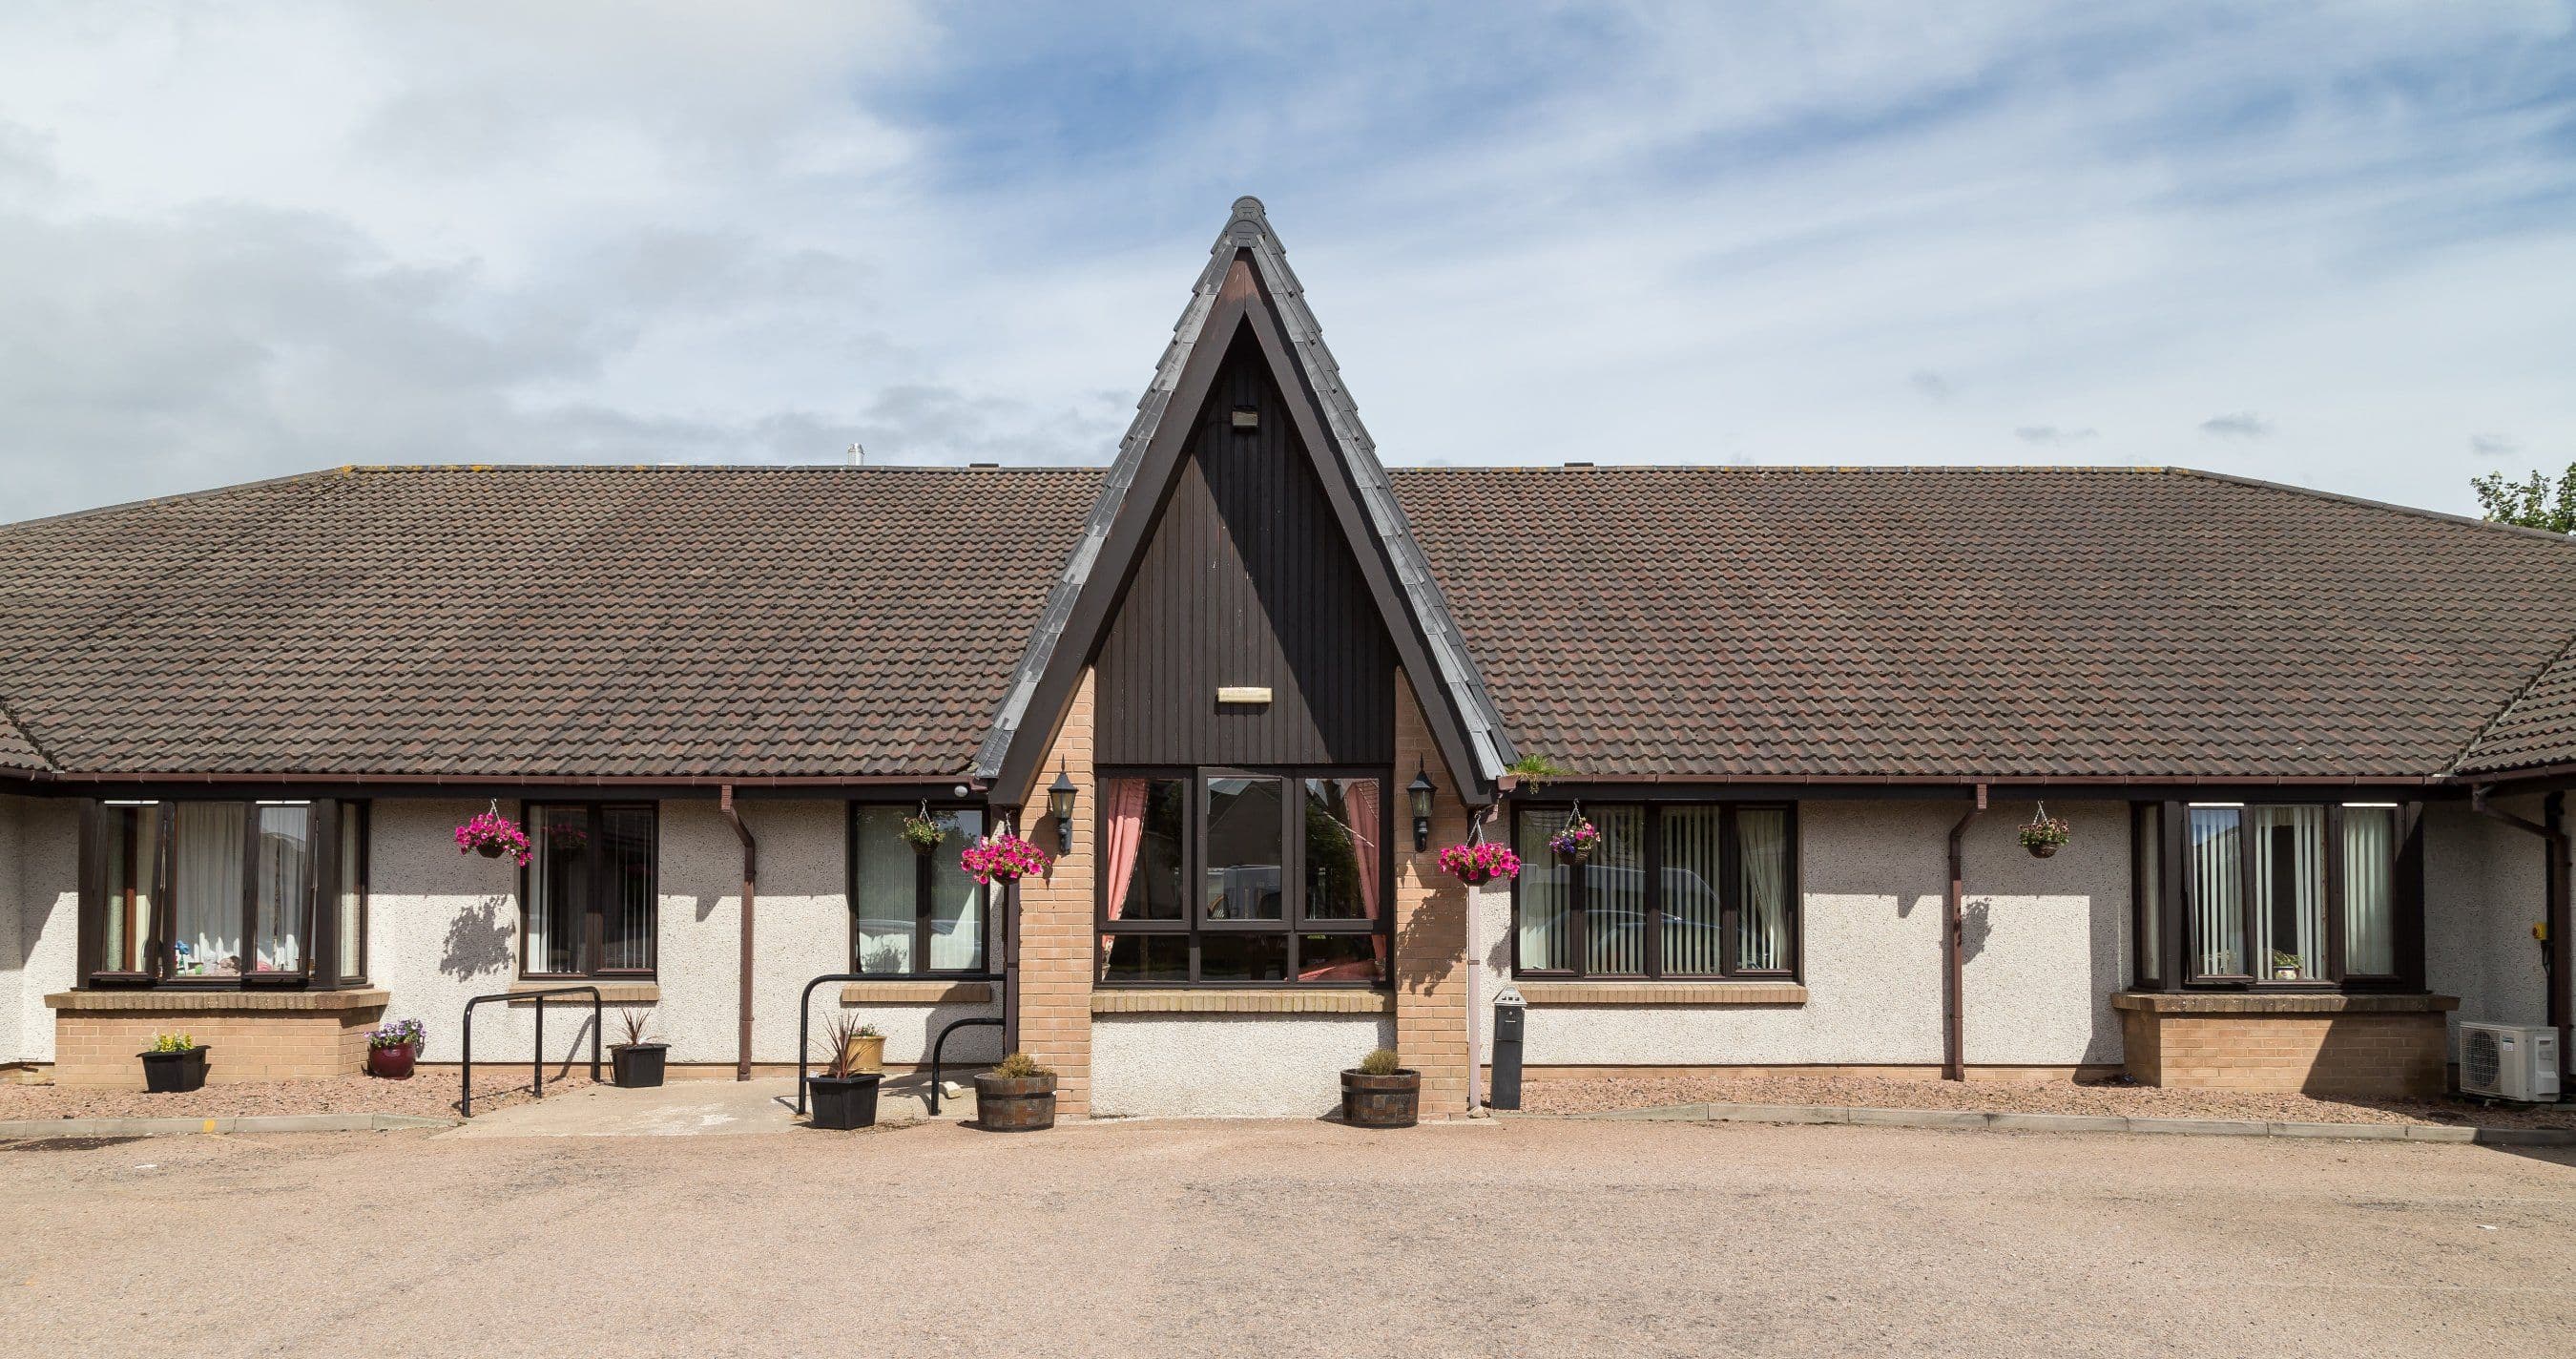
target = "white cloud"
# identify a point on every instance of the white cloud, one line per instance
(2240, 425)
(240, 240)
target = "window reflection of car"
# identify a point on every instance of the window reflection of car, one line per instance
(1244, 892)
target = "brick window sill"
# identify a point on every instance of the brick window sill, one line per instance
(1246, 1002)
(916, 993)
(610, 992)
(1662, 993)
(2279, 1003)
(177, 1001)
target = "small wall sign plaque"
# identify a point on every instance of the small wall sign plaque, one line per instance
(1243, 694)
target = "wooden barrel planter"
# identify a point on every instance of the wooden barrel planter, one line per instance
(1390, 1101)
(1015, 1104)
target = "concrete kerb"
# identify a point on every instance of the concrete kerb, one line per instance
(1976, 1120)
(33, 1129)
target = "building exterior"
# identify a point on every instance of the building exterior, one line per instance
(2309, 752)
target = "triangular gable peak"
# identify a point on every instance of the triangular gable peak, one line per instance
(1247, 292)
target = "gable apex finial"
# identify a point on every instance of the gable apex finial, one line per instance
(1249, 222)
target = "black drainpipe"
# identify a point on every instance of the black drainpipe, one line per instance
(750, 877)
(1954, 989)
(2554, 956)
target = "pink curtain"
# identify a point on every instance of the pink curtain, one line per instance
(1126, 835)
(1362, 800)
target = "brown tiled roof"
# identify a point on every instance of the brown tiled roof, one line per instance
(1716, 622)
(1758, 622)
(535, 621)
(2537, 728)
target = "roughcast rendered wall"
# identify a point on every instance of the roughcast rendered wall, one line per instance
(2484, 889)
(443, 927)
(1180, 1066)
(39, 919)
(2046, 946)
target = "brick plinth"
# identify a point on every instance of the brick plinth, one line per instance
(295, 1036)
(2383, 1047)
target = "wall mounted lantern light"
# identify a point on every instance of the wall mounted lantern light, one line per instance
(1060, 806)
(1419, 792)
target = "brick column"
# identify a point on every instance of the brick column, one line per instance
(1053, 997)
(1430, 923)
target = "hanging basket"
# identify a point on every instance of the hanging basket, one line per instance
(1478, 863)
(2044, 835)
(925, 832)
(1575, 843)
(1003, 857)
(492, 835)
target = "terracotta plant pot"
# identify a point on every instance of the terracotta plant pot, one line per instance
(843, 1103)
(1015, 1104)
(867, 1054)
(393, 1064)
(174, 1073)
(1392, 1101)
(638, 1065)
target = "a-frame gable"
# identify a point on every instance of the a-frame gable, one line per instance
(1247, 291)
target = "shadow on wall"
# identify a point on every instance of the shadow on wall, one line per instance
(1430, 939)
(478, 941)
(1976, 926)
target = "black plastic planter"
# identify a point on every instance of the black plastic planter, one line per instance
(174, 1073)
(639, 1065)
(844, 1102)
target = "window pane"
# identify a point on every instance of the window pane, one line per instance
(1340, 958)
(1243, 817)
(888, 900)
(206, 888)
(1342, 839)
(558, 887)
(352, 889)
(1148, 828)
(1692, 870)
(626, 863)
(285, 887)
(2151, 890)
(2370, 891)
(2288, 845)
(956, 905)
(1546, 921)
(2217, 892)
(1243, 957)
(133, 853)
(1614, 895)
(1146, 958)
(1762, 930)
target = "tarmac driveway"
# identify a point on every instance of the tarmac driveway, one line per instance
(1530, 1238)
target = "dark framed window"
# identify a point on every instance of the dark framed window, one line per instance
(914, 912)
(2146, 889)
(349, 895)
(1244, 877)
(589, 894)
(215, 892)
(1677, 890)
(2280, 895)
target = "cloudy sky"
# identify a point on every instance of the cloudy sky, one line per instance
(2330, 245)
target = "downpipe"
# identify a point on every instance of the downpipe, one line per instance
(750, 879)
(1954, 990)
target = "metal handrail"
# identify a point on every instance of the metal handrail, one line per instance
(805, 1017)
(937, 1047)
(537, 1064)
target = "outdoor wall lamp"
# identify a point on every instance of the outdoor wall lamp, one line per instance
(1060, 806)
(1420, 791)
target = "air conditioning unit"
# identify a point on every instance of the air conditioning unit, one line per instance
(2509, 1061)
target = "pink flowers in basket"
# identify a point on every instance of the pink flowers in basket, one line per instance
(492, 835)
(1480, 863)
(1003, 857)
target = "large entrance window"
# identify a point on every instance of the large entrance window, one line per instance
(1243, 877)
(589, 894)
(913, 912)
(2293, 895)
(222, 892)
(1695, 891)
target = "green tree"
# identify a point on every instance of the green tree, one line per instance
(2534, 503)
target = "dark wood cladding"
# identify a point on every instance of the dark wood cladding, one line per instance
(1247, 580)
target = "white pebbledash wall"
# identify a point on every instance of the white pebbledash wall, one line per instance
(2047, 944)
(1218, 1065)
(40, 913)
(443, 927)
(2484, 889)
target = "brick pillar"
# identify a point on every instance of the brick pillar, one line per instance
(1430, 923)
(1053, 997)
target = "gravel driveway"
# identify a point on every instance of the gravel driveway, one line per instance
(1536, 1238)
